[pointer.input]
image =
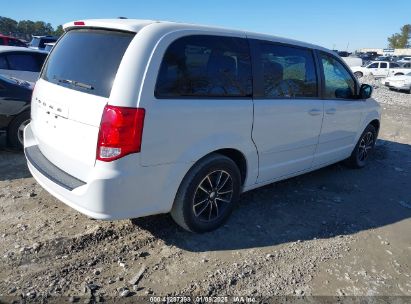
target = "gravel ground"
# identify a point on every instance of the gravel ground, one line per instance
(332, 232)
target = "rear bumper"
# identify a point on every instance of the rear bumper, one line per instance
(118, 190)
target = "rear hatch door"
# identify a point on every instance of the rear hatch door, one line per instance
(70, 96)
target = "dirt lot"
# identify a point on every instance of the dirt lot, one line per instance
(336, 231)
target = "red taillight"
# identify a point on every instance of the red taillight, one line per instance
(79, 23)
(121, 130)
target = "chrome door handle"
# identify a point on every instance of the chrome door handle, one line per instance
(331, 111)
(314, 112)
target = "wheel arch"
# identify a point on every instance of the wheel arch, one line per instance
(234, 154)
(238, 158)
(376, 123)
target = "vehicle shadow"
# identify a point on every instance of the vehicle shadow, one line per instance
(13, 164)
(332, 201)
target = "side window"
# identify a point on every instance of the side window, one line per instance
(338, 81)
(393, 65)
(23, 62)
(288, 72)
(373, 65)
(3, 63)
(383, 65)
(203, 65)
(1, 41)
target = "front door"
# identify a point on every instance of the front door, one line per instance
(342, 112)
(383, 70)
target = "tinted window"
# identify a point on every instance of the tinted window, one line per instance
(15, 42)
(383, 65)
(43, 41)
(87, 60)
(373, 65)
(394, 65)
(288, 72)
(3, 63)
(205, 66)
(23, 62)
(338, 81)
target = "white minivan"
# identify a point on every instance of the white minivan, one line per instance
(132, 118)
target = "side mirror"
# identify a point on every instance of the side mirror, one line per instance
(365, 91)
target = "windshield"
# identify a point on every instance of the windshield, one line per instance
(87, 60)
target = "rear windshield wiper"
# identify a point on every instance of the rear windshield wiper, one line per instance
(75, 83)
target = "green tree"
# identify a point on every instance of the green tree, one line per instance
(400, 40)
(7, 25)
(58, 31)
(26, 28)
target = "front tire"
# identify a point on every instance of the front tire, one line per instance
(16, 128)
(207, 194)
(364, 148)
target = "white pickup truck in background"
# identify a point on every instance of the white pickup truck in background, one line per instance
(380, 69)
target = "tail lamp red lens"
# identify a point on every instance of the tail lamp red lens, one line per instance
(121, 131)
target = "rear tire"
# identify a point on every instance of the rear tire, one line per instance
(16, 128)
(363, 148)
(207, 194)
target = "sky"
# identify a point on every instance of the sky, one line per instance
(342, 25)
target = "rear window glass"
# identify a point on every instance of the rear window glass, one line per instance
(24, 62)
(207, 66)
(87, 60)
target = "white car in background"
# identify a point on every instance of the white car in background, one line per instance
(380, 69)
(404, 60)
(21, 63)
(400, 83)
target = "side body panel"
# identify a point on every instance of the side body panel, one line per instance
(185, 130)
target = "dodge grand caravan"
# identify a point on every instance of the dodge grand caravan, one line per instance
(132, 118)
